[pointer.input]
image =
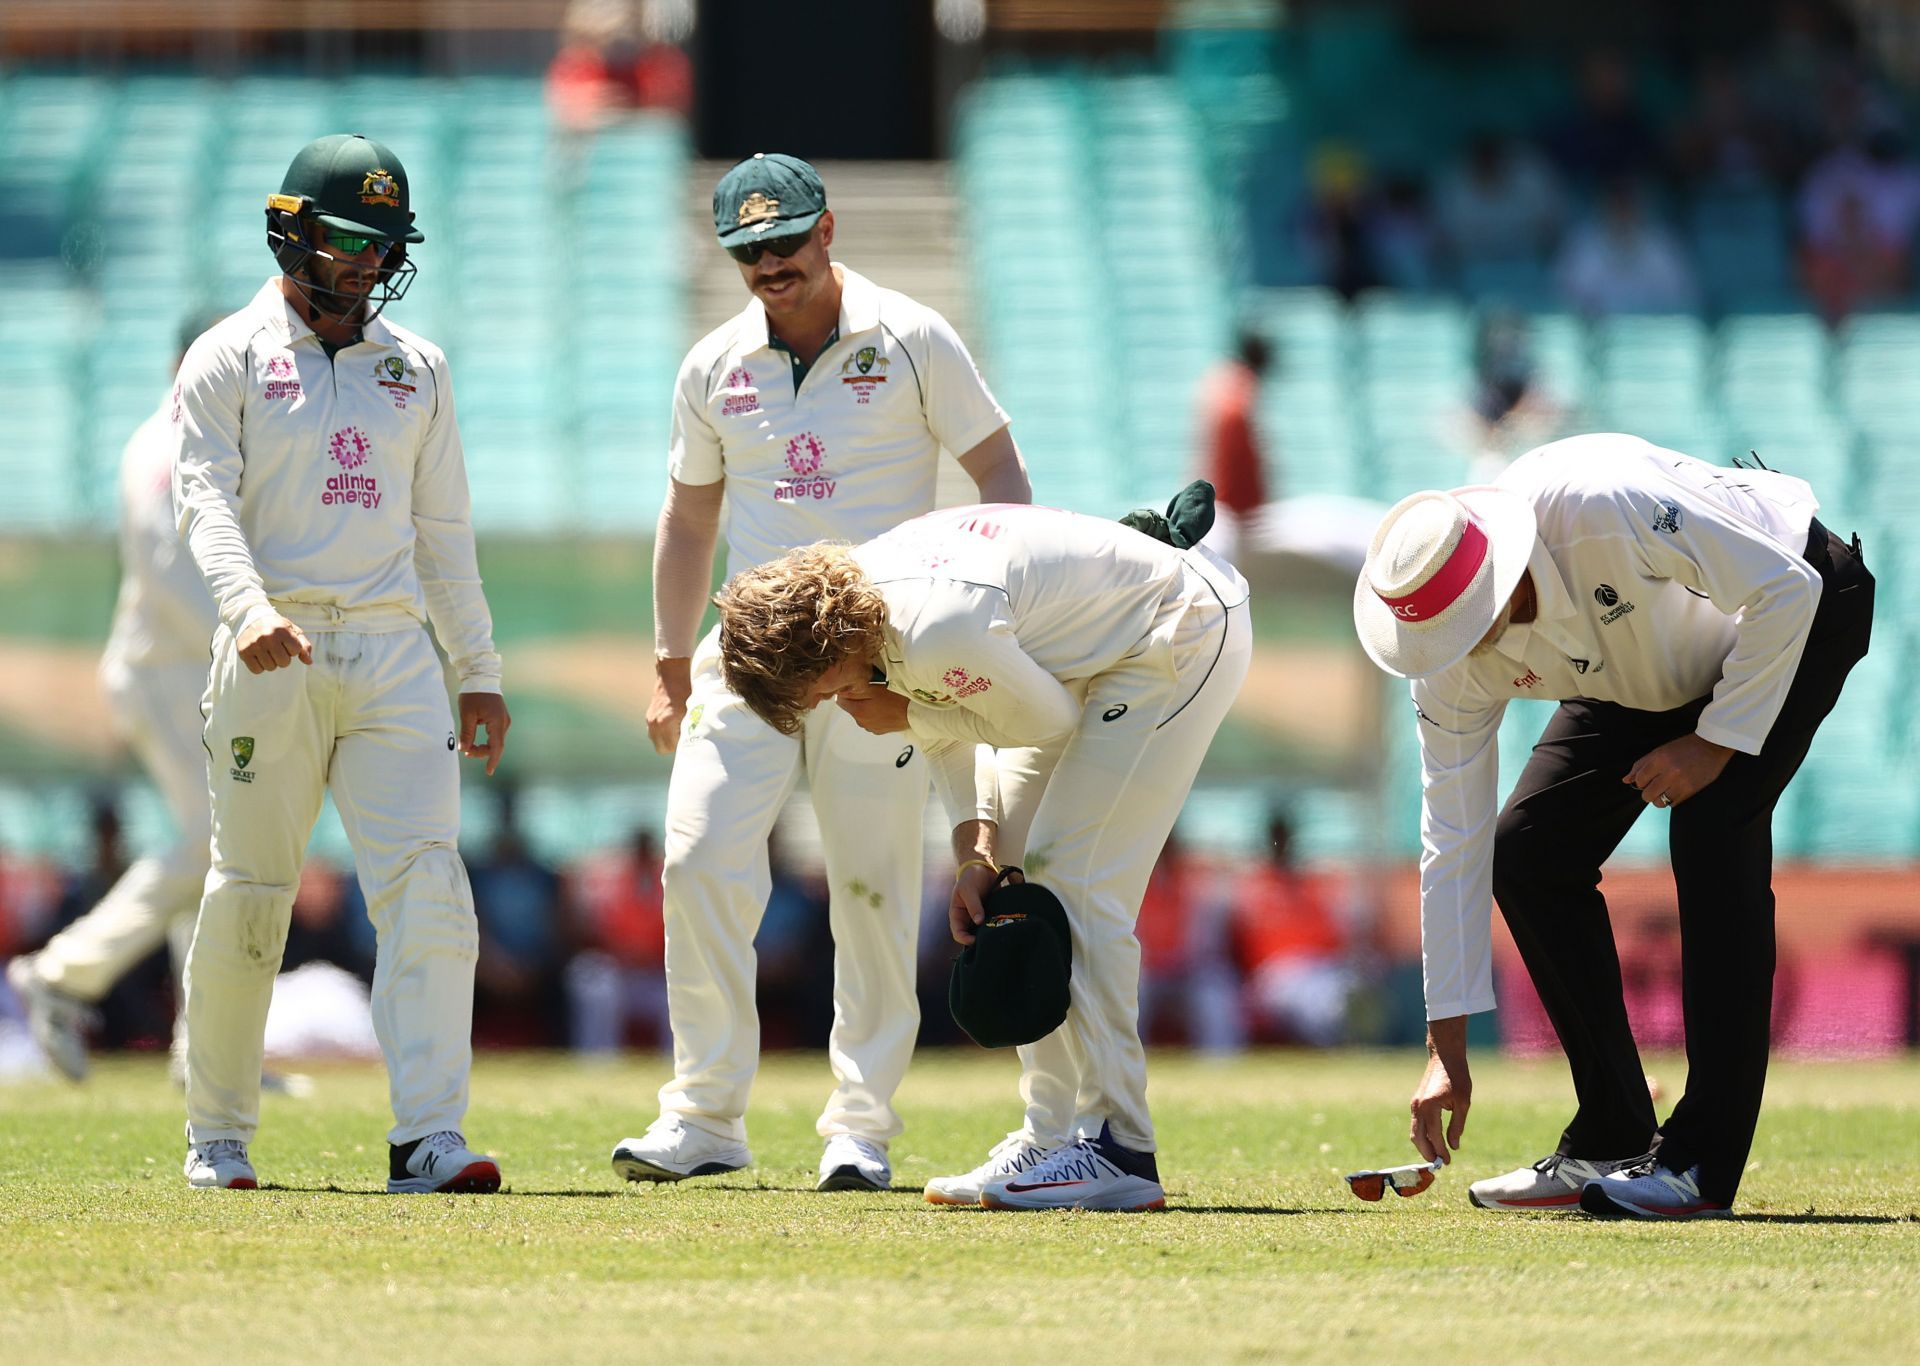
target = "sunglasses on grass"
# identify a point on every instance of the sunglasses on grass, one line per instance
(749, 253)
(1405, 1181)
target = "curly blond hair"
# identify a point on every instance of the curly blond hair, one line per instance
(786, 622)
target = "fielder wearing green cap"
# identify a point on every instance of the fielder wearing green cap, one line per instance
(339, 227)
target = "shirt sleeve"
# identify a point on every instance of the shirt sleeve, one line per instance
(961, 410)
(1770, 591)
(967, 779)
(693, 453)
(443, 549)
(1459, 799)
(207, 465)
(1008, 699)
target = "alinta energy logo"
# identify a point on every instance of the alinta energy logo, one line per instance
(805, 454)
(350, 450)
(281, 383)
(964, 684)
(741, 395)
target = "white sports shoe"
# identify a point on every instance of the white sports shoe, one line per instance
(851, 1163)
(672, 1150)
(1089, 1173)
(59, 1022)
(1015, 1153)
(1647, 1190)
(1552, 1183)
(220, 1164)
(440, 1162)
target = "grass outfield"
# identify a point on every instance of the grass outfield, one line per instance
(1261, 1254)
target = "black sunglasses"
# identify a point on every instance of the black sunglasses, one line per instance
(749, 253)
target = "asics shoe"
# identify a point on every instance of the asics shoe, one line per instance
(1089, 1173)
(1552, 1183)
(672, 1150)
(1647, 1190)
(1015, 1153)
(854, 1164)
(220, 1164)
(440, 1162)
(58, 1021)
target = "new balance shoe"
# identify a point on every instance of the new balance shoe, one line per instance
(220, 1164)
(1015, 1153)
(1648, 1190)
(672, 1150)
(854, 1164)
(1552, 1183)
(59, 1022)
(439, 1163)
(1089, 1173)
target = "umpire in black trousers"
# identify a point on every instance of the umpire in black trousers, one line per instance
(1698, 624)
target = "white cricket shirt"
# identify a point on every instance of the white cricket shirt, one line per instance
(1661, 579)
(163, 615)
(332, 483)
(993, 609)
(850, 454)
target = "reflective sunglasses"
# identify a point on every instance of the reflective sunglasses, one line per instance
(352, 244)
(1406, 1181)
(749, 253)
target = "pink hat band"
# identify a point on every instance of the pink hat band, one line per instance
(1448, 582)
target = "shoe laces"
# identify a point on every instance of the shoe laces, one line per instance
(446, 1141)
(1641, 1166)
(223, 1150)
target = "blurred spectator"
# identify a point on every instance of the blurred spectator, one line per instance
(619, 977)
(608, 64)
(1624, 262)
(1724, 140)
(1869, 186)
(139, 1009)
(1402, 236)
(1291, 947)
(1607, 136)
(1807, 56)
(1336, 230)
(1854, 265)
(1500, 205)
(1187, 975)
(1510, 411)
(1232, 459)
(796, 996)
(517, 900)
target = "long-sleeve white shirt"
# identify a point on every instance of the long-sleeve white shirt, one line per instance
(163, 615)
(1660, 579)
(304, 480)
(995, 611)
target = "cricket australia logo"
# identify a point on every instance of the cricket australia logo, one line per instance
(865, 370)
(757, 208)
(380, 188)
(350, 450)
(805, 455)
(242, 748)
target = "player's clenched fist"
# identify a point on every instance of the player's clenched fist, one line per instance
(273, 643)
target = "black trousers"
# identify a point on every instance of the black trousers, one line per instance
(1570, 810)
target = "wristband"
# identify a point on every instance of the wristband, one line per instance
(988, 864)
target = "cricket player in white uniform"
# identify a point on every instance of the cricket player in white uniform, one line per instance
(1698, 624)
(819, 411)
(152, 674)
(987, 631)
(320, 485)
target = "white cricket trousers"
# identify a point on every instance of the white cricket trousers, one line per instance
(157, 709)
(732, 773)
(1105, 805)
(369, 721)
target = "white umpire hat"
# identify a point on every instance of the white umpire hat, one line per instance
(1440, 569)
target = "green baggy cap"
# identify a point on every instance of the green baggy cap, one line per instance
(1012, 984)
(768, 195)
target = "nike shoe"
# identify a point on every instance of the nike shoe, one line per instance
(672, 1150)
(854, 1164)
(1089, 1173)
(58, 1021)
(1647, 1190)
(438, 1163)
(1552, 1183)
(1015, 1153)
(220, 1164)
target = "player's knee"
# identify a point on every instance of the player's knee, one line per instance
(244, 924)
(702, 865)
(434, 909)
